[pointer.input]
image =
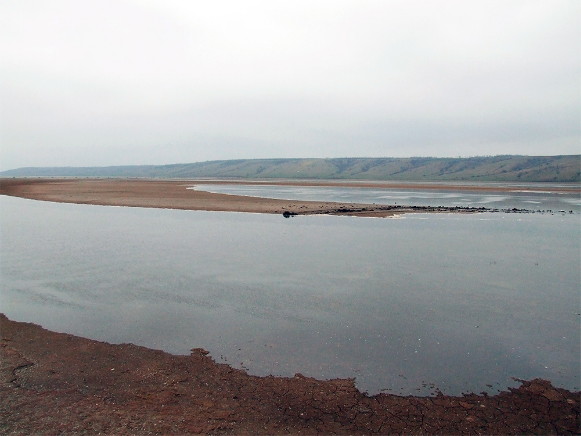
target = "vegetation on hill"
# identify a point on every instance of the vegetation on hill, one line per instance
(490, 168)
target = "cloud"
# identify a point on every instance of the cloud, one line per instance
(176, 81)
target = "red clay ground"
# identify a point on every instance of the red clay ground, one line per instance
(54, 383)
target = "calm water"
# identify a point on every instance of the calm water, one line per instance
(537, 200)
(458, 302)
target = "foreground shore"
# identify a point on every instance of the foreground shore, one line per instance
(58, 383)
(173, 194)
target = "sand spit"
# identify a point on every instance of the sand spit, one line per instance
(52, 383)
(173, 194)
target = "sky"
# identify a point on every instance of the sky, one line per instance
(127, 82)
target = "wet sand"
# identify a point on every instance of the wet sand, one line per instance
(52, 383)
(173, 194)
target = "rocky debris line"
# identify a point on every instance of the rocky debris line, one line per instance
(356, 210)
(58, 383)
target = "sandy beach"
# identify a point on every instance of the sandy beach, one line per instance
(174, 194)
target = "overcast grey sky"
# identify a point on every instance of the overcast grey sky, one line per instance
(115, 82)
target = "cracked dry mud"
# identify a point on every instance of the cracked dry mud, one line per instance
(55, 383)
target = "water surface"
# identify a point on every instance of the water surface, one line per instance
(459, 302)
(535, 198)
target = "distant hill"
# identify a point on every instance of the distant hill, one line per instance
(490, 168)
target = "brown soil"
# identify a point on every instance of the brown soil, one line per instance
(174, 194)
(53, 383)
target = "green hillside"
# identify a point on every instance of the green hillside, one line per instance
(493, 168)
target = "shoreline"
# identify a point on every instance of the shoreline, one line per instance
(56, 382)
(174, 194)
(60, 383)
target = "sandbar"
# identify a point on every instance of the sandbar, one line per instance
(174, 194)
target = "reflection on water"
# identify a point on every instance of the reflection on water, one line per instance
(457, 301)
(537, 200)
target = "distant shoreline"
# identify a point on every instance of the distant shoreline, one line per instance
(174, 194)
(507, 168)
